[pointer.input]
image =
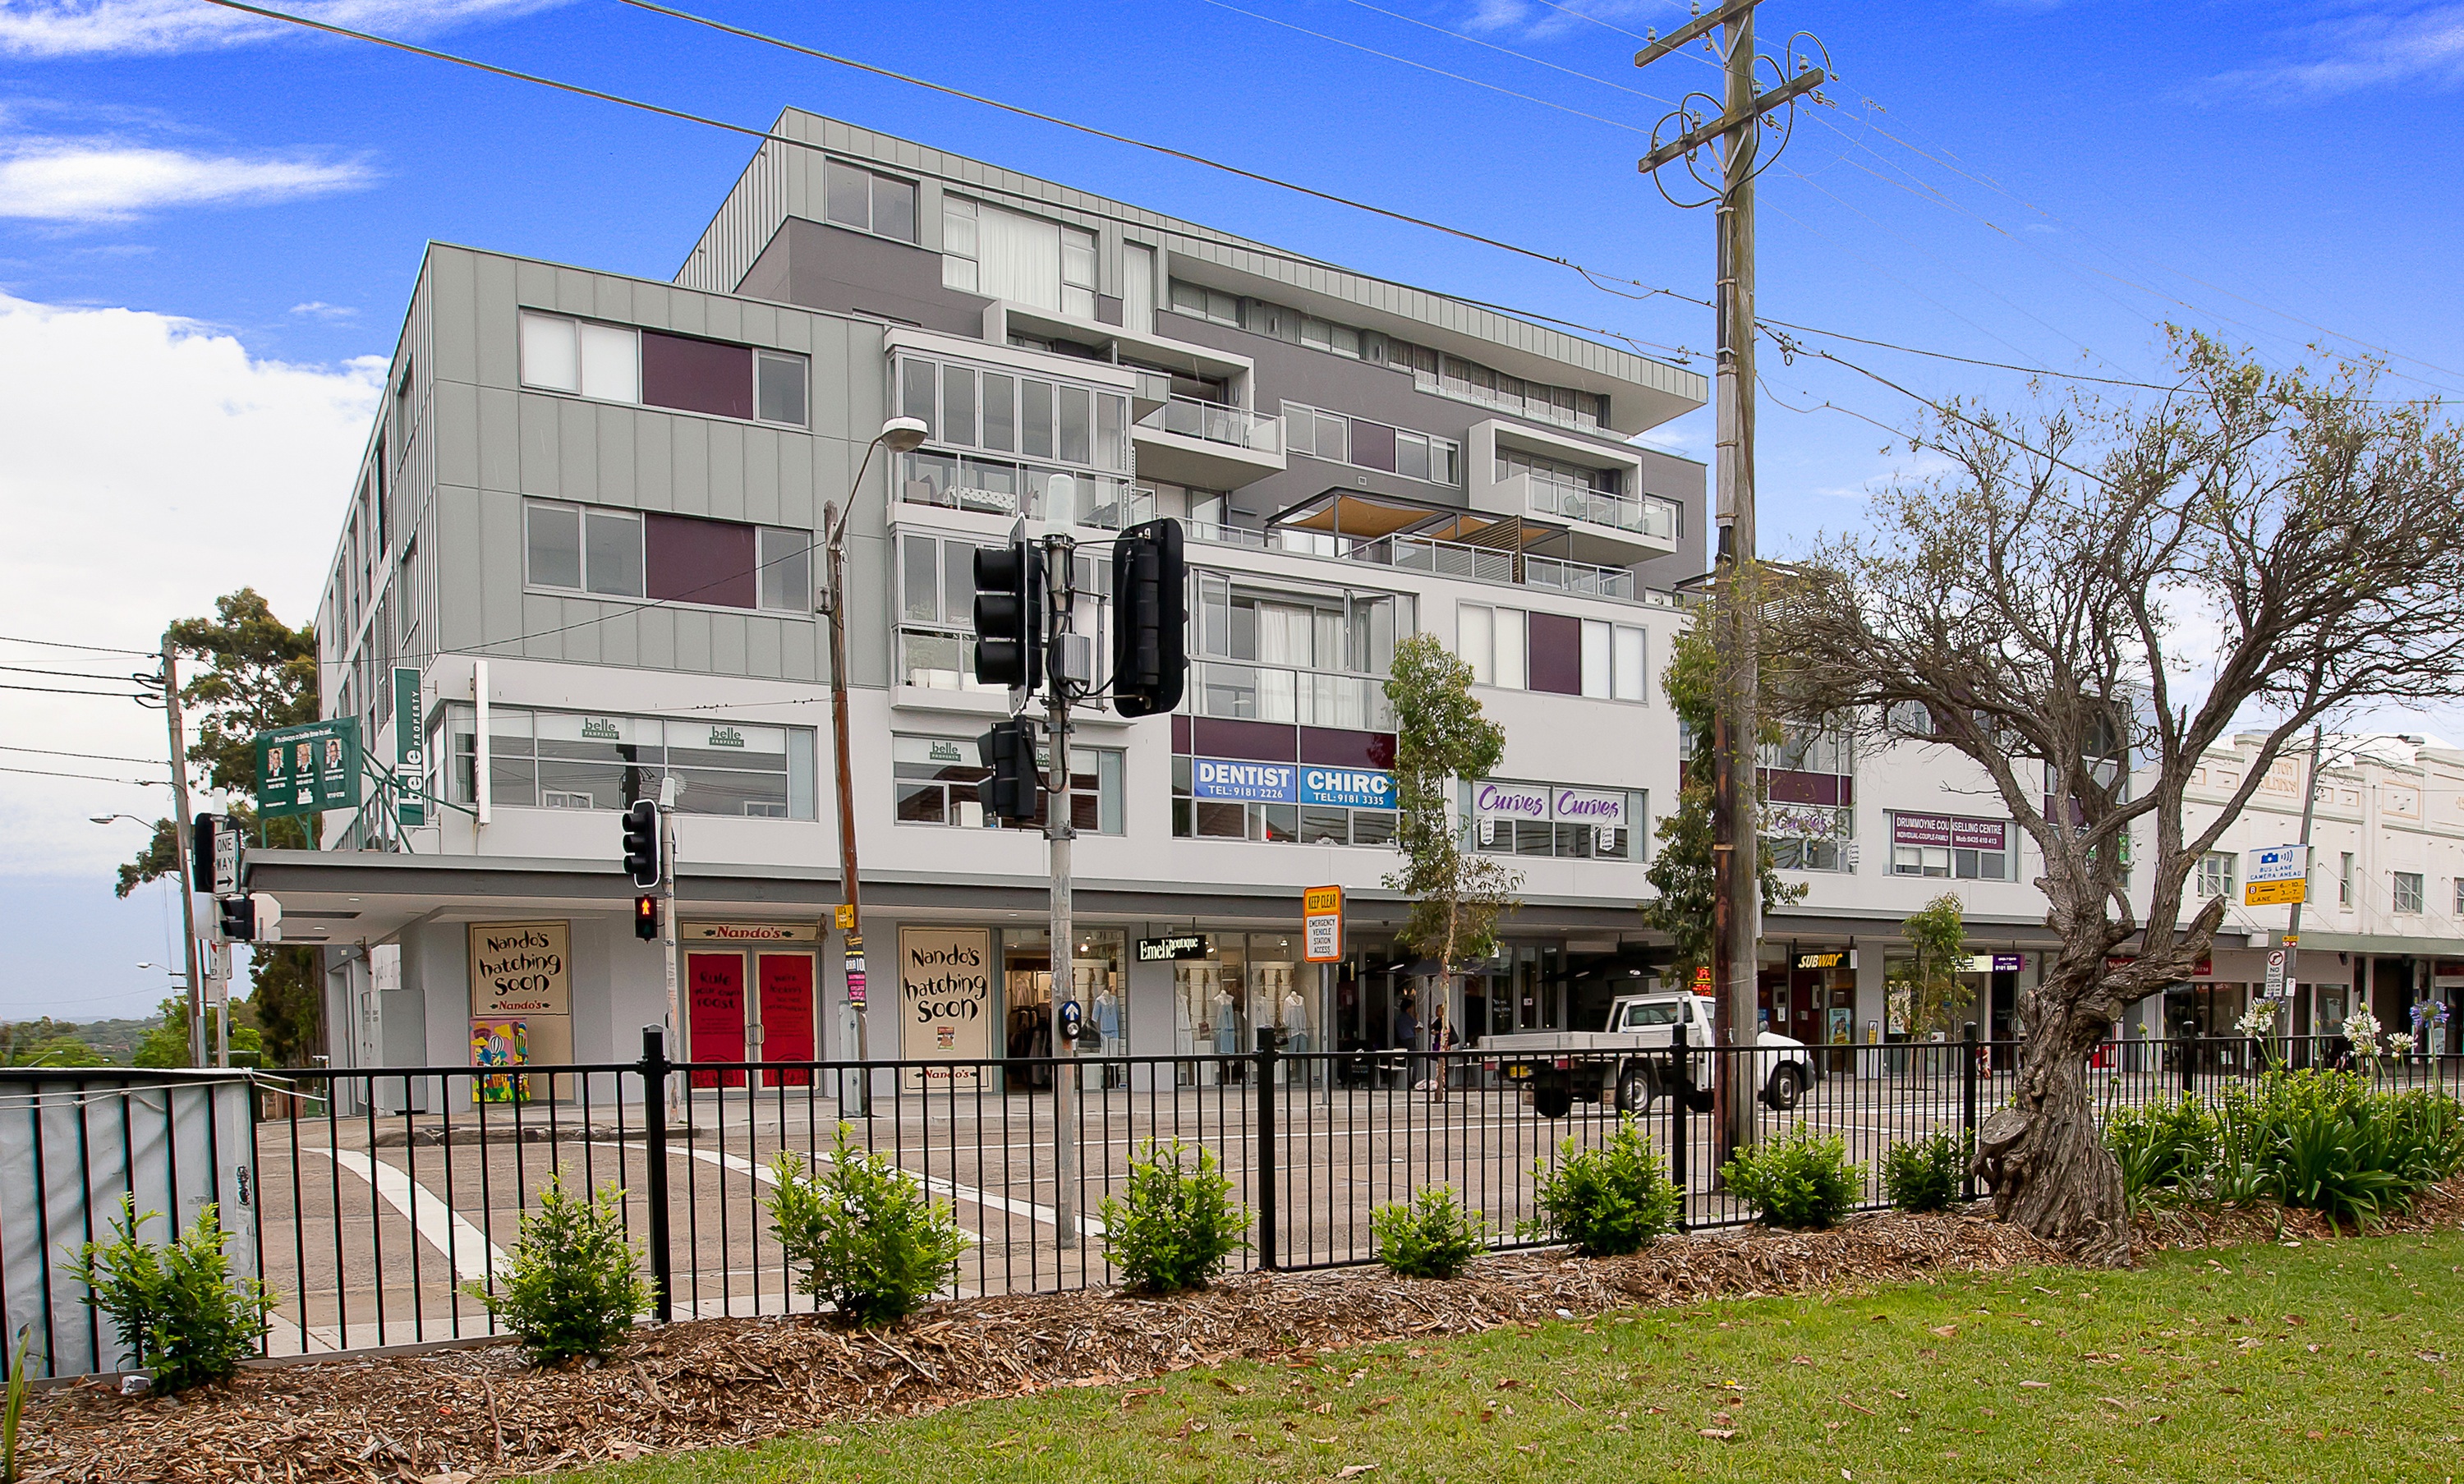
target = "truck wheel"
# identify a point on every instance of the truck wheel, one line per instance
(1786, 1085)
(1553, 1101)
(1636, 1090)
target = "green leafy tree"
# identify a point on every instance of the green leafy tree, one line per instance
(1441, 736)
(1682, 869)
(1936, 993)
(166, 1044)
(253, 673)
(46, 1042)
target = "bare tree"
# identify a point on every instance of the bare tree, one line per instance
(2090, 597)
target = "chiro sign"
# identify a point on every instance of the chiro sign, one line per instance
(308, 770)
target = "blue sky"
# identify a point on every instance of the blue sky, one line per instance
(222, 218)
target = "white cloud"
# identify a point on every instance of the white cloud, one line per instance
(152, 465)
(86, 28)
(68, 181)
(2367, 48)
(319, 309)
(1533, 18)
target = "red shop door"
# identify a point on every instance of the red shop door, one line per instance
(786, 981)
(714, 1013)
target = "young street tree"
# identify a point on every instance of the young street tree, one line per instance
(1439, 736)
(2081, 605)
(1683, 870)
(1938, 934)
(258, 673)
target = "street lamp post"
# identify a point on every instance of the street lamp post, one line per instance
(900, 435)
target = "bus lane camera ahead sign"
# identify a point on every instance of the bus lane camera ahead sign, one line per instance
(1322, 925)
(2276, 874)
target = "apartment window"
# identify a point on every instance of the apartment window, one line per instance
(2345, 882)
(935, 779)
(1137, 288)
(2460, 896)
(2407, 892)
(881, 205)
(2216, 875)
(1515, 650)
(650, 368)
(936, 589)
(1339, 439)
(1025, 259)
(583, 549)
(1285, 653)
(666, 559)
(545, 759)
(787, 579)
(1198, 302)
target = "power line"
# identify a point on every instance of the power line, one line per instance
(54, 644)
(119, 695)
(27, 670)
(98, 758)
(94, 777)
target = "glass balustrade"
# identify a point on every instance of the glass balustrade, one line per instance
(1244, 691)
(1213, 422)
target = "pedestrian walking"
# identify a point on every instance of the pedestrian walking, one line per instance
(1407, 1037)
(1441, 1039)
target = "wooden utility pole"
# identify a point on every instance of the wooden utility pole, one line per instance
(182, 870)
(1736, 839)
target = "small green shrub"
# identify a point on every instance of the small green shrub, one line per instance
(2159, 1144)
(1434, 1236)
(1174, 1226)
(178, 1309)
(1801, 1181)
(1923, 1174)
(1608, 1201)
(572, 1289)
(863, 1233)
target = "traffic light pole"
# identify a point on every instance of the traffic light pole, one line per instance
(667, 934)
(184, 845)
(1060, 583)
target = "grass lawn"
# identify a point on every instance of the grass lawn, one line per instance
(2326, 1360)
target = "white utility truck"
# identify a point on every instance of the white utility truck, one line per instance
(1631, 1058)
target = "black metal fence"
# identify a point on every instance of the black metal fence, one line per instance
(379, 1204)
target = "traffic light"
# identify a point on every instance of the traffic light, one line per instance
(1009, 616)
(646, 918)
(641, 843)
(1014, 789)
(1151, 618)
(201, 852)
(252, 917)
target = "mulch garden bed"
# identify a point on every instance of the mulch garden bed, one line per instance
(481, 1413)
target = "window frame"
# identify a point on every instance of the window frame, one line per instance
(2215, 874)
(762, 356)
(584, 514)
(2403, 886)
(874, 181)
(1298, 415)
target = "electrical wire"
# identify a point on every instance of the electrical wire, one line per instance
(96, 778)
(54, 644)
(99, 757)
(27, 670)
(117, 695)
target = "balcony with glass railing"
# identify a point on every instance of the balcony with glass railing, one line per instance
(1207, 444)
(996, 486)
(1439, 558)
(1560, 497)
(1242, 690)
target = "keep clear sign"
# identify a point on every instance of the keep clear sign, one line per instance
(945, 1002)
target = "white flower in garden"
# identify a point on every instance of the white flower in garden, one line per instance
(2362, 1029)
(2258, 1020)
(2400, 1043)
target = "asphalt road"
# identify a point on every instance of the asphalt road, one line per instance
(370, 1239)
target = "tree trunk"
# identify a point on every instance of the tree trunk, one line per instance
(2056, 1178)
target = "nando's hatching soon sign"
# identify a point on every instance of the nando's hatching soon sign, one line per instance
(308, 770)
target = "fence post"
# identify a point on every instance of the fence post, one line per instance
(1264, 1155)
(1968, 1106)
(654, 1067)
(2186, 1055)
(1681, 1090)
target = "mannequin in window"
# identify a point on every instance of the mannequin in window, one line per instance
(1108, 1027)
(1227, 1031)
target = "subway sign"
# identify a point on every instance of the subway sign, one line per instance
(1290, 783)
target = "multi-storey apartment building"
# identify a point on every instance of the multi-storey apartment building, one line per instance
(579, 567)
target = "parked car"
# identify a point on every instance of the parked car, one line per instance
(1630, 1057)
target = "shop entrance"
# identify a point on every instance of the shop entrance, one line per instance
(722, 1025)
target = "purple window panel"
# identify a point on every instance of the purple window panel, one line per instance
(1373, 446)
(697, 376)
(1556, 658)
(703, 561)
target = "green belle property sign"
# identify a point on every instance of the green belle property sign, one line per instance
(308, 770)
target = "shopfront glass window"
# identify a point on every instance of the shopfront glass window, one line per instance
(540, 759)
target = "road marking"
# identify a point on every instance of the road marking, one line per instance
(735, 1162)
(476, 1259)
